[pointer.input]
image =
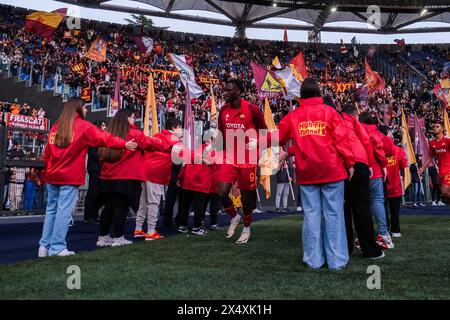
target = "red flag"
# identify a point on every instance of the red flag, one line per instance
(115, 102)
(400, 42)
(44, 23)
(373, 79)
(298, 67)
(285, 37)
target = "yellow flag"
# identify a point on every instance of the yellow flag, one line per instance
(276, 63)
(406, 142)
(446, 122)
(150, 105)
(266, 163)
(213, 116)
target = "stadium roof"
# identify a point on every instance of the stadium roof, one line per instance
(395, 16)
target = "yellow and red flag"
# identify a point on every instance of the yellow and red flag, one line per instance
(298, 66)
(409, 150)
(373, 79)
(267, 164)
(44, 23)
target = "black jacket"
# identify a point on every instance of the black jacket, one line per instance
(93, 164)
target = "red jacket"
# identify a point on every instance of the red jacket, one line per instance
(131, 164)
(196, 177)
(215, 169)
(67, 166)
(379, 154)
(395, 163)
(359, 140)
(322, 150)
(158, 164)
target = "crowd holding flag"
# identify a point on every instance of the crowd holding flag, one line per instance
(80, 68)
(266, 82)
(373, 79)
(97, 51)
(44, 23)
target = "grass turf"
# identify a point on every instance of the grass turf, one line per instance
(268, 267)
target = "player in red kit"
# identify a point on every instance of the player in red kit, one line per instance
(440, 148)
(239, 117)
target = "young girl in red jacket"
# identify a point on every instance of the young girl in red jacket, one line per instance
(195, 180)
(65, 160)
(121, 176)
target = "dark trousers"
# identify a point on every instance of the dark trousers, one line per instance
(91, 208)
(436, 193)
(214, 206)
(394, 210)
(173, 192)
(357, 206)
(198, 200)
(114, 214)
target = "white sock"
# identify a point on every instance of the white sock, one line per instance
(246, 230)
(151, 230)
(237, 217)
(138, 228)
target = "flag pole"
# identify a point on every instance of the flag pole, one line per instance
(147, 109)
(290, 183)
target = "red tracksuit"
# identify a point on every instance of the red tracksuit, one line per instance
(131, 164)
(322, 150)
(67, 166)
(395, 163)
(158, 164)
(441, 150)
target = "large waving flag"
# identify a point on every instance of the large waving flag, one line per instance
(44, 23)
(266, 82)
(184, 65)
(409, 150)
(298, 66)
(289, 83)
(442, 92)
(144, 44)
(373, 79)
(97, 52)
(188, 121)
(267, 164)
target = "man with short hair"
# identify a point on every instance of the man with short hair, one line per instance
(440, 148)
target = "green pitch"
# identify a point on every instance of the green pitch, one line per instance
(268, 267)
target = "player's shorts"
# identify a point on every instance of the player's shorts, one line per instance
(445, 179)
(246, 177)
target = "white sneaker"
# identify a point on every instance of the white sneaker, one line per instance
(245, 235)
(396, 234)
(388, 241)
(42, 252)
(440, 203)
(191, 214)
(104, 241)
(257, 211)
(434, 203)
(117, 242)
(233, 224)
(299, 208)
(65, 253)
